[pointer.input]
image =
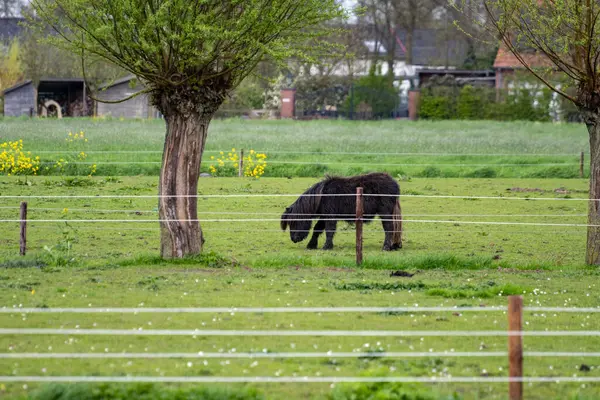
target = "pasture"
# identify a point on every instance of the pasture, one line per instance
(469, 241)
(448, 149)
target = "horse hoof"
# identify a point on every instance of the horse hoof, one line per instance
(387, 248)
(328, 247)
(311, 246)
(397, 246)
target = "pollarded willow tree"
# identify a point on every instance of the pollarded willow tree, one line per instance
(189, 55)
(567, 35)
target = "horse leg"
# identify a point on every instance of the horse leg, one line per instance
(330, 227)
(314, 240)
(388, 228)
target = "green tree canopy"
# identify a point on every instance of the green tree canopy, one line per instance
(189, 55)
(170, 44)
(550, 37)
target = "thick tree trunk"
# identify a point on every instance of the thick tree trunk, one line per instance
(593, 234)
(188, 111)
(180, 232)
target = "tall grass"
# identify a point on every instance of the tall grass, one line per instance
(527, 147)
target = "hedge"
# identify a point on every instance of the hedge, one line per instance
(470, 103)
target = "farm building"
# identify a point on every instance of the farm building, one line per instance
(507, 64)
(137, 107)
(50, 97)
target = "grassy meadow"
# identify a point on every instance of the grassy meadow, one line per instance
(448, 149)
(462, 252)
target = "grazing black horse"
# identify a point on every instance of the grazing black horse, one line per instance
(316, 204)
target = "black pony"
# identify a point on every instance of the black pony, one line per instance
(316, 204)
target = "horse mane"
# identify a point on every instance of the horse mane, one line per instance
(307, 205)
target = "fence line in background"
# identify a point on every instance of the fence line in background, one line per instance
(574, 154)
(328, 163)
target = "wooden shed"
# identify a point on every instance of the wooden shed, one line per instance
(50, 97)
(137, 107)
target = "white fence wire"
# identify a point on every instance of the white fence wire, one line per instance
(293, 379)
(274, 333)
(275, 195)
(351, 153)
(292, 355)
(335, 163)
(329, 354)
(137, 211)
(423, 221)
(269, 310)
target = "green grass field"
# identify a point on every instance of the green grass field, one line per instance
(457, 253)
(468, 149)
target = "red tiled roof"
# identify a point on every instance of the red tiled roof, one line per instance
(506, 59)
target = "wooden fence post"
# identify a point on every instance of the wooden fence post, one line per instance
(359, 225)
(515, 347)
(241, 165)
(23, 218)
(581, 165)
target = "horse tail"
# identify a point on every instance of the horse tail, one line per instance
(397, 223)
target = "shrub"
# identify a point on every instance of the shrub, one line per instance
(320, 94)
(431, 172)
(14, 161)
(254, 164)
(247, 96)
(485, 172)
(435, 107)
(372, 391)
(375, 91)
(74, 161)
(469, 103)
(139, 392)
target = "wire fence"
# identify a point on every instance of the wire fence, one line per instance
(366, 153)
(228, 213)
(336, 163)
(275, 195)
(291, 379)
(514, 353)
(235, 222)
